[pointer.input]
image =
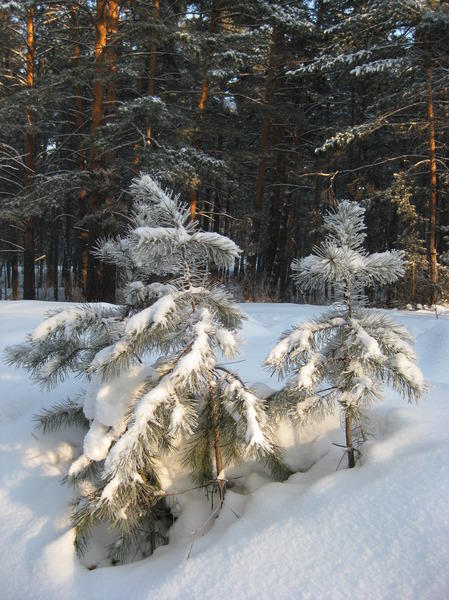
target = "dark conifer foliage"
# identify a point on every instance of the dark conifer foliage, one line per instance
(260, 113)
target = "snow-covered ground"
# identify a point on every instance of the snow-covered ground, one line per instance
(378, 531)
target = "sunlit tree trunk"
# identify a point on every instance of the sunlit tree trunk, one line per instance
(80, 158)
(28, 254)
(108, 272)
(93, 283)
(111, 61)
(433, 176)
(98, 83)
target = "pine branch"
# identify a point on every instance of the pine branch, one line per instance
(67, 413)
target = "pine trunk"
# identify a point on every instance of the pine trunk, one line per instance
(217, 443)
(280, 264)
(55, 264)
(80, 160)
(433, 177)
(214, 18)
(349, 448)
(153, 68)
(98, 83)
(15, 277)
(216, 208)
(28, 254)
(275, 211)
(151, 87)
(93, 284)
(263, 158)
(108, 272)
(348, 420)
(111, 64)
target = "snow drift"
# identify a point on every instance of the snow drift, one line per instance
(379, 531)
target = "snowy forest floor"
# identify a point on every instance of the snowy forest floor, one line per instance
(378, 531)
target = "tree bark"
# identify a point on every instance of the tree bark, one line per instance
(93, 284)
(66, 273)
(108, 271)
(80, 161)
(153, 68)
(15, 277)
(433, 176)
(112, 30)
(263, 157)
(28, 254)
(98, 83)
(348, 420)
(349, 448)
(54, 264)
(275, 211)
(214, 19)
(281, 262)
(217, 443)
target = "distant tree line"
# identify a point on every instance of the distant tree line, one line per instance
(260, 114)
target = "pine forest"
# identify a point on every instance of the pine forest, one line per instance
(261, 115)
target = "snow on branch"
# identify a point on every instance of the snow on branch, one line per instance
(298, 343)
(340, 259)
(406, 376)
(385, 267)
(310, 372)
(188, 372)
(156, 314)
(346, 225)
(240, 401)
(392, 65)
(343, 138)
(218, 248)
(368, 346)
(70, 321)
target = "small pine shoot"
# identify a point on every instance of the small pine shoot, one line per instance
(344, 357)
(137, 413)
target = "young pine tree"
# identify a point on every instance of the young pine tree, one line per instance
(136, 413)
(342, 358)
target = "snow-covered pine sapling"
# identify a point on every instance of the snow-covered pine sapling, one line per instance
(136, 413)
(343, 357)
